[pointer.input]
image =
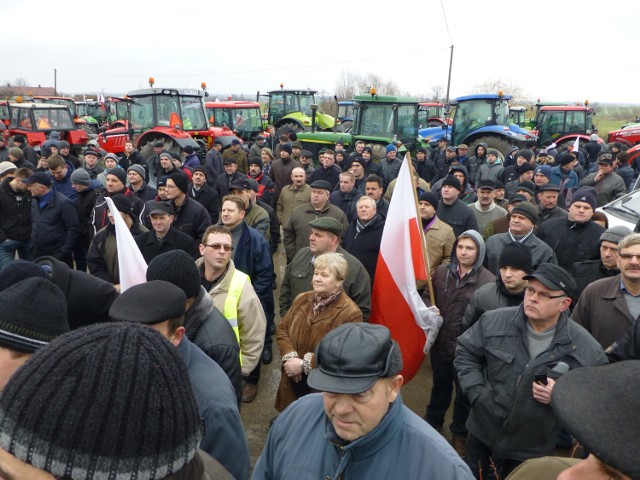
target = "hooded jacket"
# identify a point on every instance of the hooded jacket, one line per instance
(476, 160)
(452, 295)
(468, 194)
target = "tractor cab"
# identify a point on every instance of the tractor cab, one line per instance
(517, 116)
(243, 118)
(180, 109)
(5, 113)
(92, 109)
(431, 114)
(66, 101)
(556, 123)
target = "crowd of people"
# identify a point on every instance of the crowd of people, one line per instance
(537, 296)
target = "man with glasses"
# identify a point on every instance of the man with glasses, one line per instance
(507, 364)
(234, 296)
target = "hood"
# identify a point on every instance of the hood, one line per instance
(465, 172)
(475, 151)
(477, 238)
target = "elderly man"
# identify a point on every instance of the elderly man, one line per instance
(116, 181)
(358, 424)
(363, 237)
(485, 209)
(230, 175)
(524, 217)
(547, 197)
(296, 231)
(329, 172)
(236, 153)
(507, 364)
(292, 196)
(325, 235)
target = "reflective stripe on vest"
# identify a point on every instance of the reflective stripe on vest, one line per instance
(233, 300)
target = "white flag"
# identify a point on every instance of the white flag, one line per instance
(576, 145)
(133, 268)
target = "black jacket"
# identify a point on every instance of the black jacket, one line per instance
(274, 226)
(572, 242)
(15, 213)
(151, 247)
(365, 245)
(84, 206)
(145, 192)
(458, 216)
(426, 170)
(99, 217)
(223, 182)
(331, 175)
(54, 228)
(134, 159)
(209, 199)
(588, 272)
(346, 202)
(192, 219)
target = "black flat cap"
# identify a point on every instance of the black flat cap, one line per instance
(149, 303)
(555, 277)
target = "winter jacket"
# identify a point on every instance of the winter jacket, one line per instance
(64, 186)
(291, 198)
(452, 295)
(496, 373)
(627, 174)
(440, 239)
(191, 218)
(300, 331)
(489, 171)
(365, 244)
(223, 438)
(626, 347)
(135, 158)
(15, 213)
(346, 202)
(477, 160)
(209, 199)
(266, 188)
(274, 226)
(609, 187)
(390, 170)
(458, 216)
(84, 206)
(545, 214)
(426, 170)
(490, 296)
(572, 242)
(281, 173)
(331, 175)
(257, 217)
(206, 326)
(213, 163)
(567, 180)
(54, 227)
(99, 217)
(224, 181)
(191, 161)
(145, 192)
(299, 272)
(296, 232)
(252, 322)
(540, 251)
(587, 272)
(240, 157)
(402, 445)
(593, 150)
(602, 310)
(151, 247)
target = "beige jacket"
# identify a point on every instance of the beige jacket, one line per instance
(290, 199)
(252, 322)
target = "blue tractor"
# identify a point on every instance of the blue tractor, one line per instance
(481, 118)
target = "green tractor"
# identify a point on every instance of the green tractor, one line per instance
(379, 120)
(295, 111)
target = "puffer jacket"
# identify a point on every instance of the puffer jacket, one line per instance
(496, 374)
(489, 297)
(452, 295)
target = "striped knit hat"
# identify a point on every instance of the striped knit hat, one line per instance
(109, 401)
(34, 312)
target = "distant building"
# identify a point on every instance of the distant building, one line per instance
(8, 91)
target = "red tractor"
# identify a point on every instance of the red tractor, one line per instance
(563, 124)
(628, 136)
(432, 114)
(36, 120)
(235, 117)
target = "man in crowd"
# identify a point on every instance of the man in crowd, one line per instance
(15, 218)
(438, 235)
(522, 222)
(296, 231)
(325, 235)
(425, 166)
(453, 285)
(266, 187)
(346, 196)
(547, 196)
(205, 195)
(136, 175)
(452, 211)
(507, 364)
(235, 152)
(60, 173)
(90, 163)
(485, 209)
(607, 183)
(390, 165)
(306, 159)
(292, 196)
(329, 172)
(116, 181)
(191, 217)
(254, 216)
(28, 152)
(231, 174)
(282, 168)
(213, 162)
(361, 411)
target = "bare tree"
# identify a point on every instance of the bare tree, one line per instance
(20, 82)
(437, 93)
(508, 87)
(346, 86)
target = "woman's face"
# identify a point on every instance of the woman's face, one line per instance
(324, 281)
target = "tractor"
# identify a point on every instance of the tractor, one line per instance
(295, 111)
(346, 114)
(431, 114)
(628, 136)
(517, 116)
(480, 118)
(36, 120)
(379, 120)
(239, 117)
(94, 113)
(81, 123)
(5, 113)
(562, 124)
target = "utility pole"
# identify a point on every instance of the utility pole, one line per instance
(449, 80)
(55, 80)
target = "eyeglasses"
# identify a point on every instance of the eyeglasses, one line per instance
(218, 246)
(629, 256)
(542, 295)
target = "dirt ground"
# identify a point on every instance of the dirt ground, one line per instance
(257, 415)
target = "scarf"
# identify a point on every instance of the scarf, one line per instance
(320, 302)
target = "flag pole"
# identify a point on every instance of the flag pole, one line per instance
(432, 296)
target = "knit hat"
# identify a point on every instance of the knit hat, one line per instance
(19, 139)
(567, 158)
(188, 149)
(544, 170)
(452, 181)
(152, 302)
(528, 154)
(586, 195)
(123, 204)
(113, 157)
(599, 406)
(202, 170)
(34, 312)
(81, 177)
(525, 167)
(516, 255)
(494, 152)
(111, 400)
(166, 154)
(119, 173)
(139, 169)
(181, 180)
(16, 152)
(286, 148)
(429, 197)
(176, 267)
(391, 148)
(255, 161)
(615, 234)
(527, 186)
(19, 270)
(528, 210)
(7, 166)
(593, 137)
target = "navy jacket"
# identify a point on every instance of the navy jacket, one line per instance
(55, 227)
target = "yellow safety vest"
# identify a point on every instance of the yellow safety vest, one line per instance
(232, 302)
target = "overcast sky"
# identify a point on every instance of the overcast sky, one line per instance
(557, 50)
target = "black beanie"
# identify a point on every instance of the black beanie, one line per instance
(181, 180)
(119, 173)
(19, 270)
(516, 255)
(429, 197)
(34, 312)
(111, 400)
(452, 182)
(123, 204)
(176, 267)
(528, 154)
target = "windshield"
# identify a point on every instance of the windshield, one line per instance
(142, 113)
(407, 121)
(305, 104)
(346, 111)
(377, 120)
(471, 115)
(53, 119)
(247, 119)
(219, 117)
(426, 112)
(550, 125)
(94, 110)
(193, 117)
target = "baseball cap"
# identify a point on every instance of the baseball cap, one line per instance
(553, 276)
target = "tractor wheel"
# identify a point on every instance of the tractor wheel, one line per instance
(289, 127)
(496, 142)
